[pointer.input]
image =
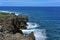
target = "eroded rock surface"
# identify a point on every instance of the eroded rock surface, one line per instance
(10, 26)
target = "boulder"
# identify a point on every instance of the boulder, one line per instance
(29, 37)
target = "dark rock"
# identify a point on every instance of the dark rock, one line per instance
(13, 22)
(29, 37)
(10, 27)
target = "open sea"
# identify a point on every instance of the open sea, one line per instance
(43, 21)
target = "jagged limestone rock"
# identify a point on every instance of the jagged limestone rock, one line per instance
(10, 25)
(29, 37)
(11, 21)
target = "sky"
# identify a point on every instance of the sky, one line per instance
(29, 2)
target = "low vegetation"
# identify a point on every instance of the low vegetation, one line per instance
(5, 14)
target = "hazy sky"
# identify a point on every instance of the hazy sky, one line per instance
(29, 2)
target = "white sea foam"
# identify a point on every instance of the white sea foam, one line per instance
(6, 11)
(16, 13)
(40, 34)
(32, 25)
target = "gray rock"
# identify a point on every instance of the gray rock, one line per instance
(10, 27)
(29, 37)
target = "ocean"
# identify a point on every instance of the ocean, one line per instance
(43, 21)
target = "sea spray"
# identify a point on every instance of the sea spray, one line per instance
(32, 25)
(40, 34)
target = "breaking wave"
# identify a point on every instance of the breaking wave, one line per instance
(16, 13)
(6, 11)
(32, 25)
(40, 34)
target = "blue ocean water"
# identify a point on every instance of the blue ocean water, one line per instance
(44, 21)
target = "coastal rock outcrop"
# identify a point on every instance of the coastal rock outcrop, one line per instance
(10, 25)
(30, 37)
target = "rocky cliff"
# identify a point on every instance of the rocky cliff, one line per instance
(10, 25)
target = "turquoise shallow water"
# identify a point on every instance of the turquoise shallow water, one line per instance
(43, 21)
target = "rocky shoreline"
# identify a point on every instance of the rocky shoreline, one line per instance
(10, 25)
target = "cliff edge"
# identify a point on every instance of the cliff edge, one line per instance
(10, 25)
